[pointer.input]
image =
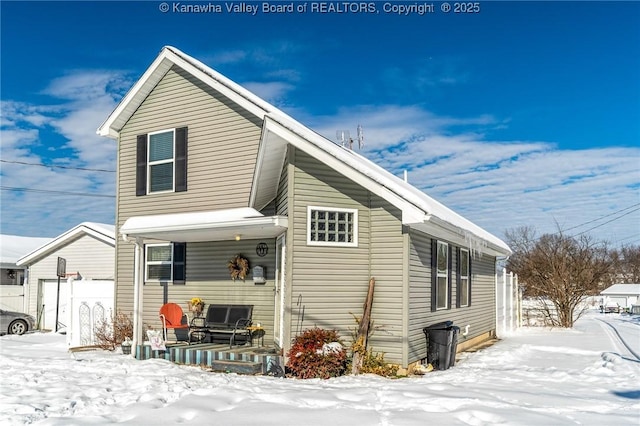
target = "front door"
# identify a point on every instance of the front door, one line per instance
(280, 290)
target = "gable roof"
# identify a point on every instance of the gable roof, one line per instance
(13, 247)
(100, 231)
(622, 289)
(419, 211)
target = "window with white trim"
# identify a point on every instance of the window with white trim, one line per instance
(160, 165)
(165, 262)
(332, 226)
(463, 277)
(442, 284)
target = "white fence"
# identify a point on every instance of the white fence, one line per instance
(90, 303)
(12, 298)
(508, 303)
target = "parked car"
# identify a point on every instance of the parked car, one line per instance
(16, 322)
(610, 308)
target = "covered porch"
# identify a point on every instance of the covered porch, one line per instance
(211, 238)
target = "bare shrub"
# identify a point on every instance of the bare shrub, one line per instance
(111, 333)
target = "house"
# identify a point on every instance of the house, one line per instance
(621, 295)
(207, 170)
(12, 276)
(88, 250)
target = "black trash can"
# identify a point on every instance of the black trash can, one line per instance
(442, 344)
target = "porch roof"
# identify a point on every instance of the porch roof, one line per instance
(217, 225)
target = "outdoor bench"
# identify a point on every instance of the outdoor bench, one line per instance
(222, 323)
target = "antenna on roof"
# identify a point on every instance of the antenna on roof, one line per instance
(346, 141)
(360, 136)
(344, 138)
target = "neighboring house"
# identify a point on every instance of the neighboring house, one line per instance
(623, 295)
(89, 253)
(12, 276)
(207, 170)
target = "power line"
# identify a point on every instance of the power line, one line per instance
(24, 163)
(609, 221)
(603, 217)
(49, 191)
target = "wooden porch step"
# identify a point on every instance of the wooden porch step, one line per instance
(239, 367)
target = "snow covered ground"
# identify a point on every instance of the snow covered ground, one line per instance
(536, 376)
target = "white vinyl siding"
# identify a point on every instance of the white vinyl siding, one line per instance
(442, 286)
(332, 226)
(160, 167)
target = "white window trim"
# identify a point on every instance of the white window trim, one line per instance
(466, 277)
(445, 276)
(155, 163)
(147, 263)
(354, 243)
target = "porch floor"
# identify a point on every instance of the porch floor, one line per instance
(243, 359)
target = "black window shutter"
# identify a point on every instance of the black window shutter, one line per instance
(434, 275)
(450, 272)
(179, 263)
(181, 160)
(458, 280)
(141, 165)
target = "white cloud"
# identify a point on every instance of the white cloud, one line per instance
(497, 184)
(62, 133)
(272, 92)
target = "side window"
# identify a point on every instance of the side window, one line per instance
(332, 226)
(440, 275)
(464, 278)
(165, 262)
(161, 164)
(442, 288)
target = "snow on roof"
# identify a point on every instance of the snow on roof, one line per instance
(101, 231)
(13, 247)
(622, 289)
(352, 160)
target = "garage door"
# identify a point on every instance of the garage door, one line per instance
(49, 297)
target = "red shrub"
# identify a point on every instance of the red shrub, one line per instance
(314, 354)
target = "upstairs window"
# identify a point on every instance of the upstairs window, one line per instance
(162, 162)
(165, 262)
(332, 226)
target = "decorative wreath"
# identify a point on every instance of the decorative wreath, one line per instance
(238, 267)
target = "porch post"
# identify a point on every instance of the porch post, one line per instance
(138, 338)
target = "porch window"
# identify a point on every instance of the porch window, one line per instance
(464, 278)
(165, 262)
(332, 226)
(162, 162)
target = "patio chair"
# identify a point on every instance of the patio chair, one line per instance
(171, 316)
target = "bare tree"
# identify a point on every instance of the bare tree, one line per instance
(626, 265)
(558, 270)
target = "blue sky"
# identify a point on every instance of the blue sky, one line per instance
(525, 113)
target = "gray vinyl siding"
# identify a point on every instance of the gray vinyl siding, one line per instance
(91, 257)
(387, 261)
(329, 284)
(281, 201)
(208, 278)
(480, 316)
(222, 151)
